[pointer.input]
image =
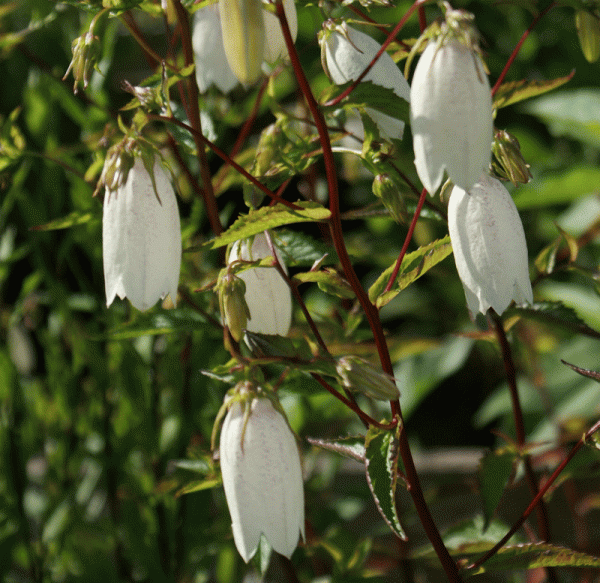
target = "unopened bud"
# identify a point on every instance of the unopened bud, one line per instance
(360, 375)
(388, 192)
(243, 27)
(86, 49)
(234, 309)
(507, 161)
(588, 32)
(119, 161)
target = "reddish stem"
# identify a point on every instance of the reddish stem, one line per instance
(517, 48)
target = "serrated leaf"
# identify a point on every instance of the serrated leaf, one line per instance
(414, 265)
(575, 114)
(554, 313)
(71, 220)
(368, 94)
(352, 447)
(300, 249)
(515, 91)
(270, 217)
(381, 463)
(590, 374)
(329, 281)
(267, 345)
(495, 469)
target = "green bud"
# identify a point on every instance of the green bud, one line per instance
(360, 375)
(508, 162)
(234, 309)
(86, 50)
(588, 32)
(119, 161)
(387, 190)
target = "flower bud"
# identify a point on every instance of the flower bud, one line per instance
(141, 237)
(262, 477)
(209, 53)
(86, 50)
(243, 28)
(346, 53)
(275, 46)
(360, 375)
(451, 115)
(267, 294)
(234, 309)
(508, 162)
(387, 190)
(588, 33)
(489, 246)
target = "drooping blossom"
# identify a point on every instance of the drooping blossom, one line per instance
(267, 294)
(489, 246)
(141, 238)
(347, 55)
(275, 46)
(450, 115)
(209, 54)
(262, 478)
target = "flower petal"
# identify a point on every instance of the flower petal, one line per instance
(275, 46)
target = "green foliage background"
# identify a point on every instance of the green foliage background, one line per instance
(105, 414)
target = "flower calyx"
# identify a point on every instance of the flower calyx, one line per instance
(359, 375)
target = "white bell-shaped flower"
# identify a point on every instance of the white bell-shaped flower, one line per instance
(347, 57)
(275, 46)
(262, 478)
(489, 246)
(209, 54)
(141, 238)
(451, 115)
(267, 295)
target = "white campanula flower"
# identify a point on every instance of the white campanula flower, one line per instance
(267, 295)
(141, 238)
(489, 246)
(209, 54)
(262, 478)
(275, 46)
(450, 115)
(346, 57)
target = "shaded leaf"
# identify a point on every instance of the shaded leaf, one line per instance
(329, 281)
(301, 249)
(515, 91)
(269, 217)
(381, 463)
(495, 469)
(414, 265)
(71, 220)
(591, 374)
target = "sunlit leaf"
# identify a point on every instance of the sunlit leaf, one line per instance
(515, 91)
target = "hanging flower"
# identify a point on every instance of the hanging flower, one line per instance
(262, 478)
(267, 295)
(451, 115)
(243, 28)
(209, 54)
(141, 238)
(347, 53)
(275, 46)
(489, 246)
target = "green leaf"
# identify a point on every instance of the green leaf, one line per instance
(300, 249)
(575, 114)
(352, 447)
(329, 281)
(71, 220)
(515, 91)
(554, 313)
(414, 265)
(381, 463)
(367, 94)
(495, 469)
(199, 485)
(270, 217)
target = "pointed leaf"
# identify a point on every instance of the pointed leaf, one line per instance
(328, 281)
(270, 217)
(71, 220)
(515, 91)
(495, 469)
(591, 374)
(381, 463)
(414, 265)
(352, 447)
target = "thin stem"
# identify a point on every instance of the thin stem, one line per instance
(535, 501)
(380, 52)
(193, 112)
(411, 230)
(517, 48)
(224, 157)
(370, 310)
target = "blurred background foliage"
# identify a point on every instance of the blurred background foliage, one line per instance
(105, 414)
